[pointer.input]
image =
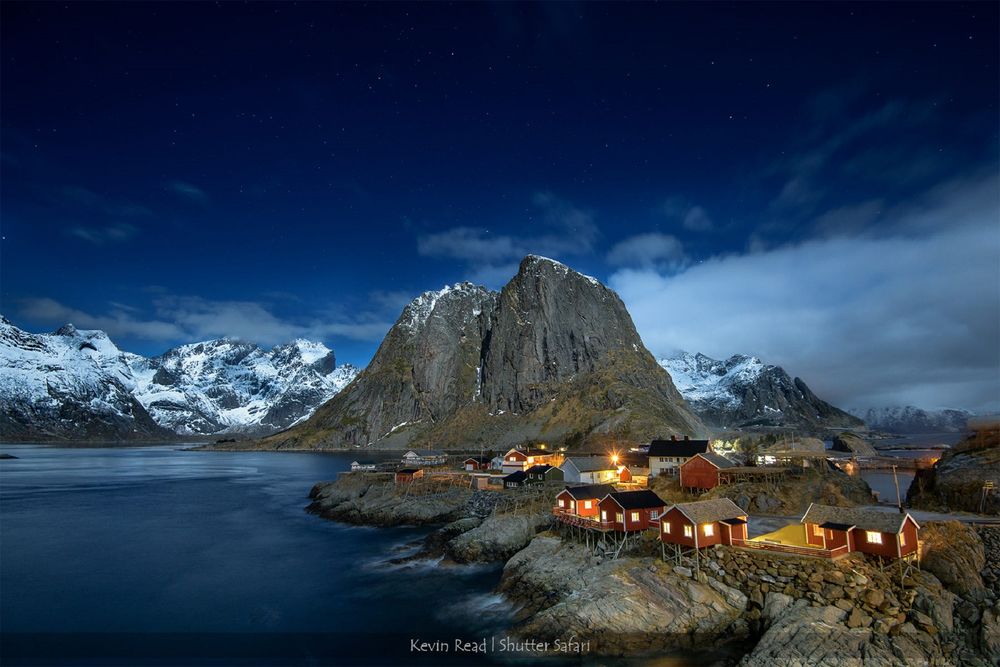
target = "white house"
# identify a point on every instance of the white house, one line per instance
(590, 470)
(362, 466)
(666, 456)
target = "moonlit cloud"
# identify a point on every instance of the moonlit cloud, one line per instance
(653, 250)
(184, 319)
(114, 233)
(188, 191)
(908, 315)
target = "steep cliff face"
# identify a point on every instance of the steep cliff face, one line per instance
(554, 355)
(425, 369)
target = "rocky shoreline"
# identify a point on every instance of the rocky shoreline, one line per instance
(769, 608)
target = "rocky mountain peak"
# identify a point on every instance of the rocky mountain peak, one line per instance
(743, 391)
(66, 330)
(555, 351)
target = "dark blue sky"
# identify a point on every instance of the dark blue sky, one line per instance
(185, 171)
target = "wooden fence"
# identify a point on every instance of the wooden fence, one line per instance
(789, 549)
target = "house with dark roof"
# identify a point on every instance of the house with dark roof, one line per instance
(701, 471)
(666, 456)
(630, 511)
(888, 535)
(515, 480)
(703, 523)
(544, 473)
(582, 500)
(590, 470)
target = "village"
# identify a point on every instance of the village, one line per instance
(604, 500)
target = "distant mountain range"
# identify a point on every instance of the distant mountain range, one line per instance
(912, 420)
(77, 384)
(554, 356)
(744, 392)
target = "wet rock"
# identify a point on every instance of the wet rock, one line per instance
(497, 538)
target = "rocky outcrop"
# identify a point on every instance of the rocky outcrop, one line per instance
(622, 607)
(497, 538)
(956, 481)
(366, 500)
(853, 443)
(553, 356)
(743, 392)
(801, 635)
(954, 554)
(794, 494)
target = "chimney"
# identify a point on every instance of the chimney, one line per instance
(673, 438)
(687, 437)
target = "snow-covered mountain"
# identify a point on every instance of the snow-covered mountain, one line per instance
(77, 384)
(743, 392)
(909, 419)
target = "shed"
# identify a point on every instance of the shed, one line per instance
(474, 463)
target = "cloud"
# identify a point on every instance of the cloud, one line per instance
(662, 252)
(907, 315)
(187, 191)
(563, 230)
(114, 233)
(184, 319)
(119, 322)
(689, 216)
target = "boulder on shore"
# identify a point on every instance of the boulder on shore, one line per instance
(497, 538)
(853, 443)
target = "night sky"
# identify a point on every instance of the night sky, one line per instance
(815, 184)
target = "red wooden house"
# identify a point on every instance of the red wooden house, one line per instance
(474, 463)
(886, 534)
(703, 523)
(522, 459)
(701, 471)
(582, 501)
(629, 511)
(407, 475)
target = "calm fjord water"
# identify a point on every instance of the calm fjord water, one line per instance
(196, 546)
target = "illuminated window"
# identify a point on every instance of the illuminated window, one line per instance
(511, 458)
(531, 459)
(902, 539)
(586, 504)
(688, 532)
(562, 503)
(619, 518)
(635, 516)
(604, 515)
(873, 537)
(709, 530)
(817, 531)
(666, 527)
